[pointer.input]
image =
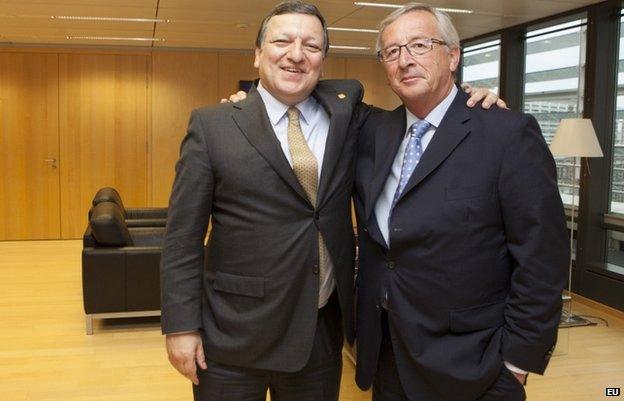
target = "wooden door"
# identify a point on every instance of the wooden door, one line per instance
(103, 132)
(29, 146)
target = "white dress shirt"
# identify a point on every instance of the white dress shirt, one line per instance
(314, 122)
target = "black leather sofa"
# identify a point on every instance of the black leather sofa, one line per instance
(135, 217)
(120, 266)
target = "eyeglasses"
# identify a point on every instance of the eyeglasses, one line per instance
(416, 47)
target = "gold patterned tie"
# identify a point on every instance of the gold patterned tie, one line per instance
(306, 169)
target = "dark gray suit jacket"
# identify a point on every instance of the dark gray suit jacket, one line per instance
(254, 294)
(478, 252)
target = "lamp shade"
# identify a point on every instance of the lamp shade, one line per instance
(575, 137)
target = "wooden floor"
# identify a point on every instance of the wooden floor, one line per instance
(45, 354)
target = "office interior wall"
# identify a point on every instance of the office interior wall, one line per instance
(112, 118)
(103, 131)
(181, 82)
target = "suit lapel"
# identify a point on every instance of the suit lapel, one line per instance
(339, 117)
(254, 123)
(448, 135)
(388, 136)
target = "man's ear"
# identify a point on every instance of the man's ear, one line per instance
(257, 58)
(454, 55)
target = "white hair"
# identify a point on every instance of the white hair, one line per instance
(445, 25)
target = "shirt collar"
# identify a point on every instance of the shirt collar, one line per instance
(437, 114)
(276, 109)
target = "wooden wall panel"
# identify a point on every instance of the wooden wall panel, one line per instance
(372, 75)
(334, 67)
(29, 186)
(181, 82)
(234, 67)
(103, 132)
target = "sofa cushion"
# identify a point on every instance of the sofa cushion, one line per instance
(108, 225)
(108, 194)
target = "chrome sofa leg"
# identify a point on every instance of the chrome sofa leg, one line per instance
(89, 324)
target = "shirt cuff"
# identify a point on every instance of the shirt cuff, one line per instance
(515, 369)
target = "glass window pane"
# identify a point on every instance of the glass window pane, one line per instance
(617, 174)
(481, 64)
(553, 86)
(615, 239)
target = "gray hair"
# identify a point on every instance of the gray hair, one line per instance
(445, 25)
(294, 7)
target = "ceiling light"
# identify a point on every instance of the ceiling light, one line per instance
(380, 5)
(455, 10)
(115, 38)
(386, 5)
(349, 47)
(107, 19)
(332, 28)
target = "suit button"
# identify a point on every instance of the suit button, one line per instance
(390, 264)
(315, 269)
(317, 216)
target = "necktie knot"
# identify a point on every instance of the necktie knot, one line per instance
(293, 114)
(419, 128)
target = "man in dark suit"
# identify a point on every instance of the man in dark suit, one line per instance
(461, 230)
(266, 306)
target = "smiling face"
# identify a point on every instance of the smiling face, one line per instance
(290, 58)
(422, 81)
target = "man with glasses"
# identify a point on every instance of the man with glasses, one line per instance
(461, 229)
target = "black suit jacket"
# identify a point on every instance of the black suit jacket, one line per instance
(255, 293)
(478, 252)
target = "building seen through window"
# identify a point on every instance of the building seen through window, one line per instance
(617, 173)
(481, 64)
(554, 85)
(615, 239)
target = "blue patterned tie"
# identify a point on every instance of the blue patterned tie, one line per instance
(413, 152)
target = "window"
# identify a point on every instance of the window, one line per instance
(617, 172)
(553, 85)
(480, 65)
(615, 239)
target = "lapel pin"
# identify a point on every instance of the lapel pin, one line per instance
(341, 96)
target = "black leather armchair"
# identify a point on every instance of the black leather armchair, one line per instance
(120, 267)
(135, 217)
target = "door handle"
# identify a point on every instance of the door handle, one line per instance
(52, 161)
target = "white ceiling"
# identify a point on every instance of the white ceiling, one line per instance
(232, 24)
